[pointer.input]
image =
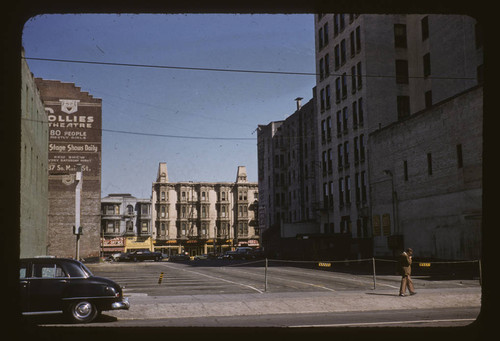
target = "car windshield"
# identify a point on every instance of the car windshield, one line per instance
(87, 271)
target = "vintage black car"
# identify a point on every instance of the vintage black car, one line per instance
(55, 285)
(142, 255)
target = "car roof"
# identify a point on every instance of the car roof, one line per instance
(51, 259)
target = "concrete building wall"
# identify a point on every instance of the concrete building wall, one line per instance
(435, 158)
(34, 169)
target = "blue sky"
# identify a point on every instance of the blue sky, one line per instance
(178, 102)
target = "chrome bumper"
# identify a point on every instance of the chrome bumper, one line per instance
(123, 304)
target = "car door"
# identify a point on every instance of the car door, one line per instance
(24, 284)
(47, 285)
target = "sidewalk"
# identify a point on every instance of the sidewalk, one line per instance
(154, 307)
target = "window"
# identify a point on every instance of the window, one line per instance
(346, 153)
(362, 147)
(428, 99)
(162, 195)
(358, 39)
(337, 89)
(325, 195)
(358, 188)
(360, 111)
(401, 71)
(320, 38)
(340, 157)
(144, 227)
(425, 28)
(400, 35)
(331, 194)
(321, 68)
(48, 270)
(327, 65)
(460, 160)
(427, 64)
(325, 34)
(337, 56)
(130, 209)
(327, 96)
(335, 25)
(405, 170)
(354, 115)
(364, 182)
(339, 122)
(341, 192)
(429, 163)
(344, 85)
(144, 209)
(323, 131)
(342, 52)
(356, 149)
(360, 80)
(203, 196)
(345, 117)
(342, 22)
(162, 212)
(330, 158)
(353, 79)
(323, 160)
(329, 128)
(403, 106)
(353, 44)
(322, 99)
(348, 190)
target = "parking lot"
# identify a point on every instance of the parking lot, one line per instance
(206, 277)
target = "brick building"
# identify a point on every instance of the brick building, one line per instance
(427, 173)
(34, 168)
(74, 123)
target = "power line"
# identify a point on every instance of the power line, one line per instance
(170, 67)
(162, 135)
(235, 70)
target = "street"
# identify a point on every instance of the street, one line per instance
(235, 294)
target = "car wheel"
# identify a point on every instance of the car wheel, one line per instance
(82, 312)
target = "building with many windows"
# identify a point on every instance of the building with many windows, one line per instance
(203, 217)
(125, 224)
(372, 71)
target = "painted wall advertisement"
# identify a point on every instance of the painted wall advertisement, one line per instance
(74, 137)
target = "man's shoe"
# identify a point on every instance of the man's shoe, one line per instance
(413, 293)
(402, 295)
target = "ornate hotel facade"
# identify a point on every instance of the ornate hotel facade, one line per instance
(203, 217)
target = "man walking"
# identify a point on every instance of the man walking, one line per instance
(405, 260)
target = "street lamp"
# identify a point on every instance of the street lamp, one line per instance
(77, 230)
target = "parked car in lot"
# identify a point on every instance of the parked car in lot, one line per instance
(142, 255)
(61, 285)
(239, 253)
(118, 257)
(179, 257)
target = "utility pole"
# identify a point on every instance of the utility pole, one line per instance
(77, 230)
